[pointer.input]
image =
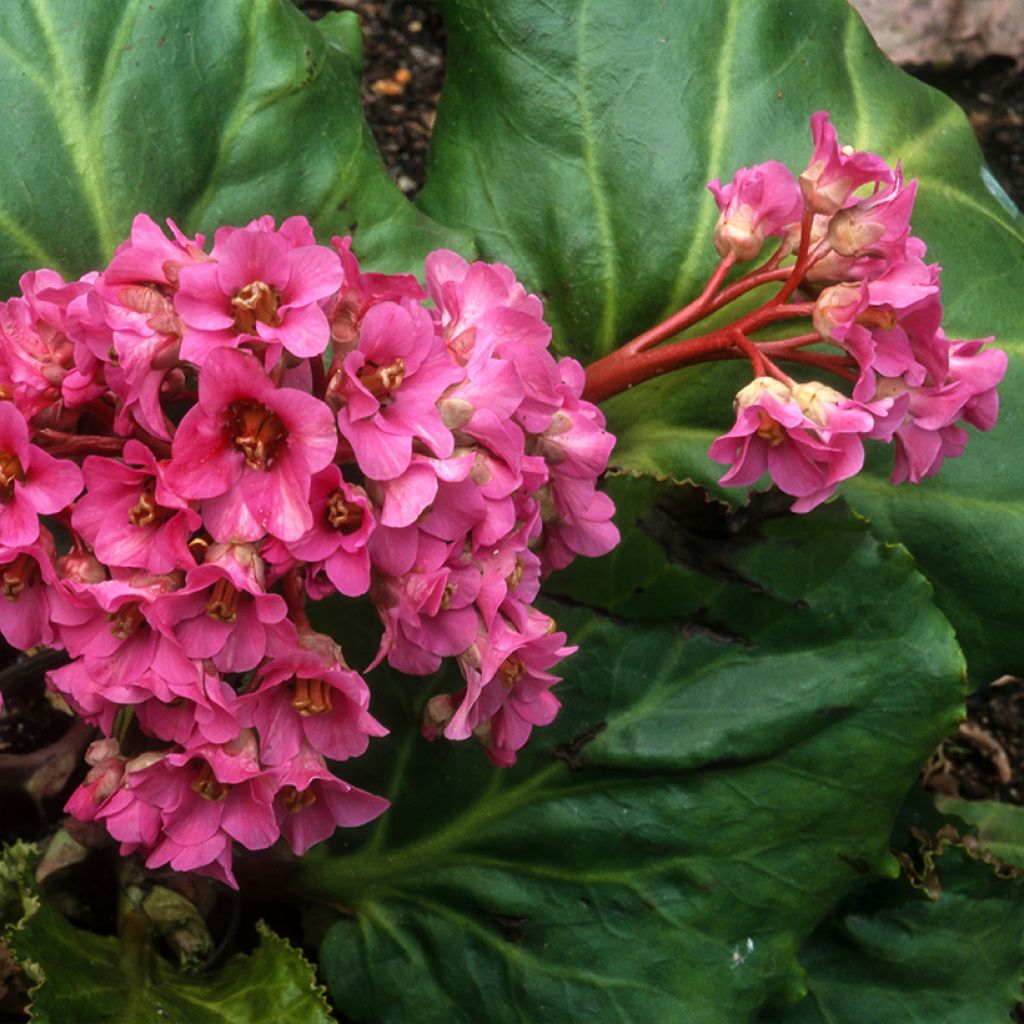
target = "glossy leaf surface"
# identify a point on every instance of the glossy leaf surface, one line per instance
(208, 113)
(662, 850)
(585, 170)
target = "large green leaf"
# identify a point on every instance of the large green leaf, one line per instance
(209, 113)
(636, 580)
(81, 976)
(574, 141)
(894, 954)
(660, 851)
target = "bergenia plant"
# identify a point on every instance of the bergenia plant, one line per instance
(631, 455)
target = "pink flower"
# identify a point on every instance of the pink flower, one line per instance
(508, 687)
(388, 390)
(131, 517)
(336, 544)
(26, 577)
(208, 796)
(300, 696)
(104, 778)
(32, 482)
(37, 368)
(359, 292)
(150, 257)
(876, 226)
(808, 438)
(252, 448)
(924, 428)
(760, 202)
(224, 612)
(311, 803)
(261, 285)
(834, 172)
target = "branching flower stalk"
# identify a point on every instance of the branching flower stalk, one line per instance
(859, 276)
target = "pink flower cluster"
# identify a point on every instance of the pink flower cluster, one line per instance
(847, 216)
(193, 444)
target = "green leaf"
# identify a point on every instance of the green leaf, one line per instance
(574, 142)
(636, 581)
(662, 849)
(898, 957)
(209, 113)
(82, 976)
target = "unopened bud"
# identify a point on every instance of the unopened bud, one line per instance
(836, 306)
(750, 395)
(814, 399)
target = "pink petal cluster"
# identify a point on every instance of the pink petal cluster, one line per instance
(195, 444)
(877, 300)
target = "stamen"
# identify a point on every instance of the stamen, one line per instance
(295, 801)
(511, 670)
(344, 516)
(223, 601)
(17, 575)
(380, 381)
(771, 430)
(207, 785)
(883, 319)
(515, 577)
(256, 302)
(146, 511)
(10, 471)
(256, 431)
(124, 622)
(311, 697)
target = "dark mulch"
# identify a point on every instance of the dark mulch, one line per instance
(403, 68)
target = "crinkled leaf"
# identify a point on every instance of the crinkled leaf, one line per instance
(662, 849)
(574, 141)
(211, 113)
(81, 976)
(998, 826)
(893, 955)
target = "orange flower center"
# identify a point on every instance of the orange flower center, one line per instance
(222, 603)
(311, 697)
(207, 785)
(295, 801)
(124, 622)
(256, 302)
(17, 575)
(771, 430)
(256, 432)
(10, 471)
(380, 381)
(345, 516)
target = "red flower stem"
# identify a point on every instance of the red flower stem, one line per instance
(839, 365)
(294, 587)
(803, 261)
(686, 317)
(622, 369)
(752, 352)
(58, 442)
(797, 341)
(746, 284)
(316, 364)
